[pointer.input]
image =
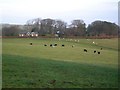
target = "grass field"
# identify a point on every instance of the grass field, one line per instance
(37, 66)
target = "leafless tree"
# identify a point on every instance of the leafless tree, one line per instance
(60, 26)
(47, 26)
(34, 25)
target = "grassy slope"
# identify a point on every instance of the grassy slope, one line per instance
(37, 66)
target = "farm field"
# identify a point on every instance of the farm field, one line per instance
(39, 66)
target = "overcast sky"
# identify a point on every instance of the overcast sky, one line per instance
(19, 11)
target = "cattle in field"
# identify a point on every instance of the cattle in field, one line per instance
(51, 45)
(55, 44)
(63, 45)
(98, 52)
(85, 50)
(31, 43)
(73, 46)
(45, 44)
(94, 51)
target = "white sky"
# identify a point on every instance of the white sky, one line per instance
(19, 11)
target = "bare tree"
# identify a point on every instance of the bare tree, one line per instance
(60, 26)
(34, 25)
(47, 25)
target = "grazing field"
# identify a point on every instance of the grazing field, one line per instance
(39, 66)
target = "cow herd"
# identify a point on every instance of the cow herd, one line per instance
(51, 45)
(98, 52)
(62, 45)
(54, 45)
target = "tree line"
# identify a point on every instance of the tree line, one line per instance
(77, 28)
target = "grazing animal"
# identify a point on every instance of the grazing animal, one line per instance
(55, 44)
(95, 51)
(31, 43)
(100, 48)
(85, 50)
(51, 45)
(73, 46)
(45, 44)
(98, 52)
(63, 45)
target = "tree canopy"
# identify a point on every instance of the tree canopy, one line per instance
(77, 27)
(100, 28)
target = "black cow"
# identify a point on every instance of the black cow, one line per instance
(45, 44)
(31, 43)
(63, 45)
(51, 45)
(98, 52)
(85, 50)
(55, 44)
(94, 51)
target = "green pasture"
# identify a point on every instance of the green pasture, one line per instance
(37, 66)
